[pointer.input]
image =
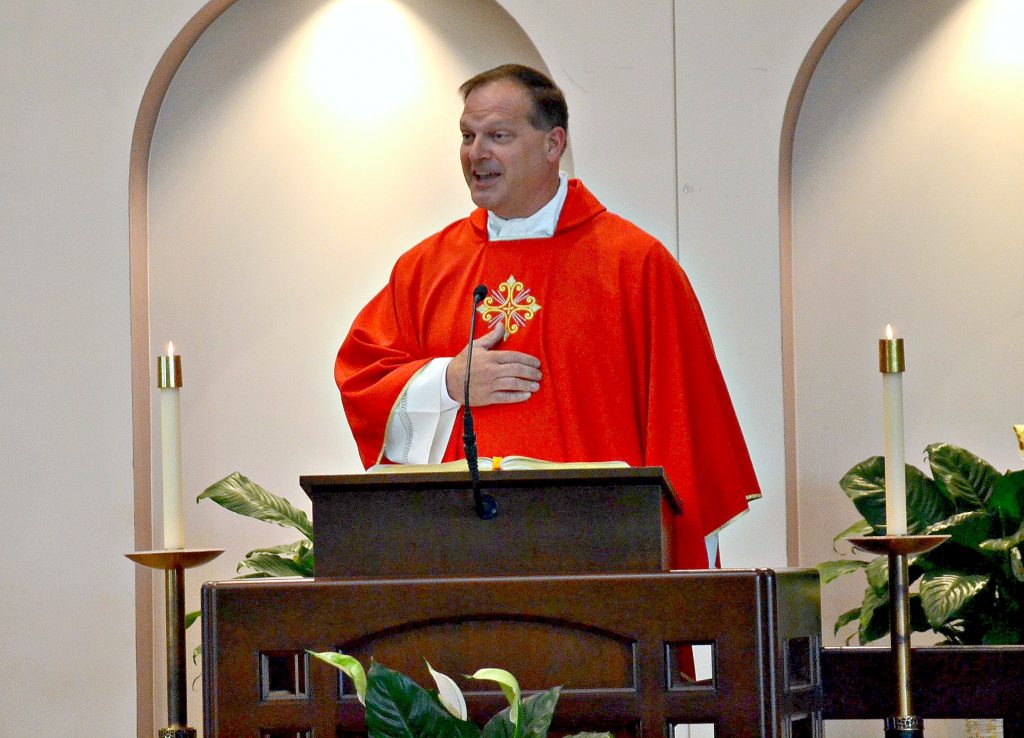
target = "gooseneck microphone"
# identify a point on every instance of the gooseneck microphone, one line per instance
(484, 505)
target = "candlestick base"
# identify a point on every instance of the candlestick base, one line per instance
(908, 726)
(174, 561)
(176, 731)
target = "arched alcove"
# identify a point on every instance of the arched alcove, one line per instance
(906, 165)
(900, 172)
(278, 170)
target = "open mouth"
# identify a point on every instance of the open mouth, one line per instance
(485, 177)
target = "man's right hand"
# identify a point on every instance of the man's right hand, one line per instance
(498, 376)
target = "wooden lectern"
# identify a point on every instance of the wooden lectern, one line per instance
(564, 587)
(548, 522)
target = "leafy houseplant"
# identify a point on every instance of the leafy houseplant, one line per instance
(241, 495)
(397, 707)
(970, 589)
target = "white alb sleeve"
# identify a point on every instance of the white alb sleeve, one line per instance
(711, 541)
(423, 419)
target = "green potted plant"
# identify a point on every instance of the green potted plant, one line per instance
(397, 707)
(241, 495)
(970, 589)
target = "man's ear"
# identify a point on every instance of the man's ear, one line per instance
(555, 142)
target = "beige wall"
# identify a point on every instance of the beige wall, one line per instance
(677, 111)
(73, 77)
(907, 180)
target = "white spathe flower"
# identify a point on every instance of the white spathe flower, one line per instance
(449, 694)
(508, 685)
(350, 666)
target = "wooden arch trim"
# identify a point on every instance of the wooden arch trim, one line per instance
(141, 382)
(789, 121)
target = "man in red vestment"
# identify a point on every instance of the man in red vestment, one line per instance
(591, 344)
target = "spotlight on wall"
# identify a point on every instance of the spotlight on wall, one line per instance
(1002, 32)
(361, 60)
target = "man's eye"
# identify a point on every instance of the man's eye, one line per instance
(467, 138)
(500, 136)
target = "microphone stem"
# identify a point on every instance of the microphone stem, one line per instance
(483, 505)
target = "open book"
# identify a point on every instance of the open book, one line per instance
(492, 463)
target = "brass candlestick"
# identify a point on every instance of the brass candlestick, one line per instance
(174, 562)
(904, 724)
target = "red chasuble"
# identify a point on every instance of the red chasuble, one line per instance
(629, 372)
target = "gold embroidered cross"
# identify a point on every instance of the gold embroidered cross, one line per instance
(510, 304)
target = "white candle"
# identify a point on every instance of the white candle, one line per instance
(169, 384)
(891, 364)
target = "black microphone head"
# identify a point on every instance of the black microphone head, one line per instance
(479, 292)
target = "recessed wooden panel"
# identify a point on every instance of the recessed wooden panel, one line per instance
(540, 653)
(546, 630)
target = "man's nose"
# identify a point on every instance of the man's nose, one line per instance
(478, 150)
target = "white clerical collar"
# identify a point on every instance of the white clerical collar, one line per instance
(539, 225)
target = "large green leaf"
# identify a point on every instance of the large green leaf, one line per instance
(864, 484)
(874, 616)
(850, 616)
(966, 528)
(295, 549)
(953, 556)
(859, 528)
(272, 565)
(536, 711)
(397, 707)
(1004, 634)
(500, 726)
(877, 572)
(243, 496)
(1017, 565)
(943, 595)
(918, 620)
(1004, 544)
(1007, 500)
(829, 571)
(300, 553)
(926, 505)
(966, 479)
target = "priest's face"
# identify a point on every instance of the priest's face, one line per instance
(511, 167)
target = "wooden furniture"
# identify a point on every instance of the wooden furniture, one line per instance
(548, 522)
(564, 587)
(608, 639)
